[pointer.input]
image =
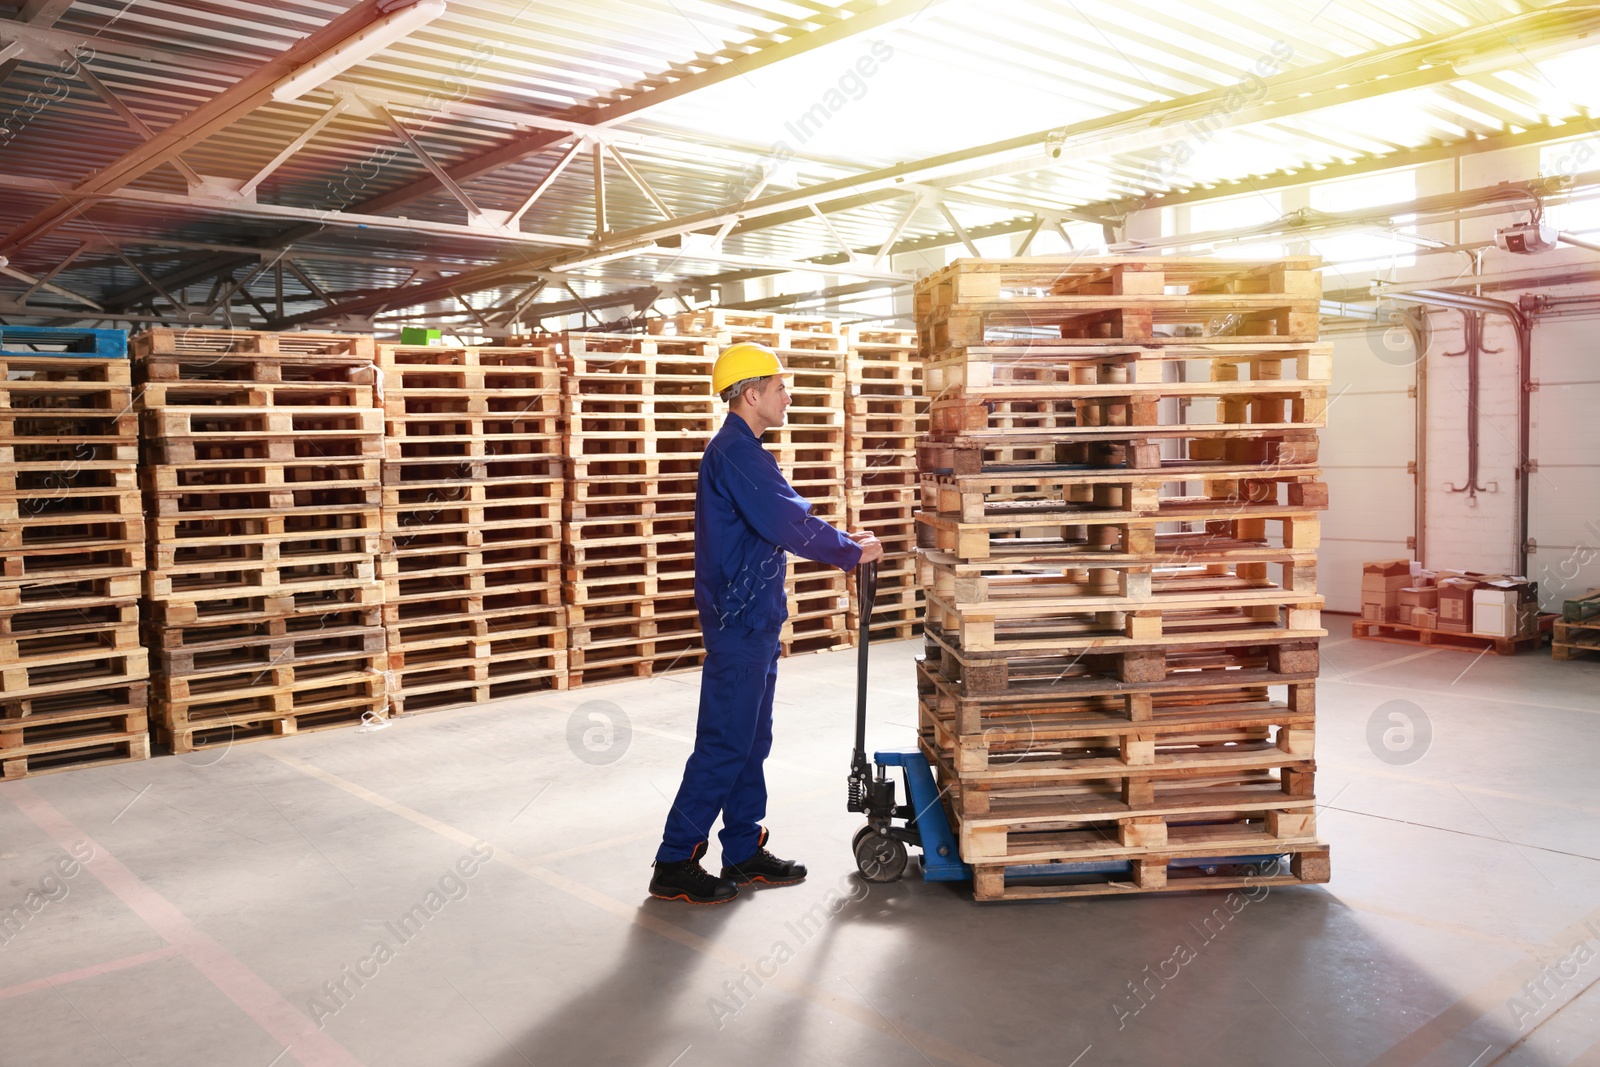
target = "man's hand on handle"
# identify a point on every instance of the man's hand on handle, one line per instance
(871, 547)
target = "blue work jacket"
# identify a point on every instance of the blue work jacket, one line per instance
(746, 517)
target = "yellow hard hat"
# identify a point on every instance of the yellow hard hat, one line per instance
(741, 361)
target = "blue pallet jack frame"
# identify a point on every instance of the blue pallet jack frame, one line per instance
(883, 847)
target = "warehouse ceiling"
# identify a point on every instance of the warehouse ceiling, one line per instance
(491, 164)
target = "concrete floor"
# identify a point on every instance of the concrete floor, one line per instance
(230, 905)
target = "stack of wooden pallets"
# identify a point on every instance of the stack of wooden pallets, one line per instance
(639, 413)
(1577, 632)
(809, 446)
(1119, 525)
(885, 414)
(261, 480)
(73, 675)
(472, 491)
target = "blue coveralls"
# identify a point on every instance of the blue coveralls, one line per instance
(746, 518)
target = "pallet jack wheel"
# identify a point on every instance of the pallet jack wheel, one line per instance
(879, 858)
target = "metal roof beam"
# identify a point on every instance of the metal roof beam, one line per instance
(37, 15)
(1410, 157)
(227, 107)
(800, 42)
(339, 106)
(100, 89)
(323, 218)
(43, 283)
(1425, 61)
(57, 269)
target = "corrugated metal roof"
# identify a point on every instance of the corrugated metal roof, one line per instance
(945, 76)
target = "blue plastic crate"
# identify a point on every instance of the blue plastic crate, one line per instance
(53, 341)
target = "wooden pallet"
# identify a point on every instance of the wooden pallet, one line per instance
(785, 333)
(351, 690)
(90, 724)
(212, 653)
(1054, 364)
(285, 602)
(193, 341)
(975, 734)
(1401, 634)
(1166, 872)
(1076, 411)
(44, 395)
(1105, 535)
(1570, 640)
(69, 560)
(683, 355)
(97, 747)
(1202, 619)
(645, 659)
(1100, 829)
(889, 624)
(333, 712)
(1050, 584)
(1582, 609)
(436, 673)
(1117, 299)
(1057, 493)
(1268, 450)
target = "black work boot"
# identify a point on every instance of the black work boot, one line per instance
(765, 868)
(687, 880)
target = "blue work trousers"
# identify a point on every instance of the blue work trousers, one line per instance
(731, 741)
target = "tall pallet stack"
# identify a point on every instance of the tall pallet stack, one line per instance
(639, 414)
(472, 492)
(261, 479)
(885, 414)
(809, 447)
(1120, 523)
(73, 675)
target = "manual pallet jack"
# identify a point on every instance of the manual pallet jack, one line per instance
(881, 846)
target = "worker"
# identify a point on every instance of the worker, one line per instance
(746, 518)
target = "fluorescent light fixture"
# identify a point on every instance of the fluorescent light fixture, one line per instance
(368, 42)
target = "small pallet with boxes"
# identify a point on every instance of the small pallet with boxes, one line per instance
(1577, 632)
(885, 414)
(74, 677)
(639, 412)
(472, 497)
(810, 447)
(1119, 522)
(1404, 603)
(261, 483)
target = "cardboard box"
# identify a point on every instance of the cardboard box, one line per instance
(1419, 597)
(1455, 604)
(1380, 612)
(1374, 585)
(1425, 618)
(1387, 568)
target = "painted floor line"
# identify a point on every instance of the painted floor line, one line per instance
(262, 1003)
(927, 1044)
(94, 970)
(1345, 676)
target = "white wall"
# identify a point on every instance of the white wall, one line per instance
(1366, 446)
(1565, 490)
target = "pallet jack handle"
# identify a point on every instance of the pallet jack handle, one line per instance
(867, 579)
